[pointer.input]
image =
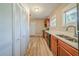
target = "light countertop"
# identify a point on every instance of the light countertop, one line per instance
(54, 32)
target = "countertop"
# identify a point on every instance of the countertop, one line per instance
(54, 32)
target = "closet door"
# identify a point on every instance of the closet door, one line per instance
(24, 31)
(5, 29)
(16, 30)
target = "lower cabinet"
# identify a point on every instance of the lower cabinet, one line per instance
(54, 45)
(63, 52)
(66, 50)
(47, 38)
(60, 48)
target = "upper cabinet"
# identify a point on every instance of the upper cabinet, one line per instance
(47, 22)
(70, 16)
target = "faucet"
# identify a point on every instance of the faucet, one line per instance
(75, 34)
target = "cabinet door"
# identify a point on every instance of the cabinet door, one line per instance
(54, 45)
(5, 29)
(46, 36)
(49, 40)
(63, 52)
(70, 49)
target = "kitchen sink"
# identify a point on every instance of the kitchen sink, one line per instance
(68, 38)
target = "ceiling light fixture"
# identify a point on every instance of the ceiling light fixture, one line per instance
(36, 9)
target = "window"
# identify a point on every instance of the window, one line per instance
(53, 22)
(70, 16)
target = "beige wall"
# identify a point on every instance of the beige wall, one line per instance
(59, 12)
(36, 26)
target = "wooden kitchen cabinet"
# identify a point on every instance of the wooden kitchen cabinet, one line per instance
(63, 52)
(66, 50)
(47, 22)
(60, 48)
(54, 45)
(46, 36)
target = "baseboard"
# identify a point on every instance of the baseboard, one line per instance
(36, 36)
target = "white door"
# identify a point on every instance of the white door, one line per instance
(16, 30)
(24, 31)
(5, 29)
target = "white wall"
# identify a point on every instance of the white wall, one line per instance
(5, 29)
(36, 26)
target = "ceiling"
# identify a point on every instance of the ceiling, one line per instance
(45, 9)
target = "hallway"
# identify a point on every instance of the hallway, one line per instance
(38, 47)
(39, 29)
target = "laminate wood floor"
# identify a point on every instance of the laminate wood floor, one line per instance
(38, 47)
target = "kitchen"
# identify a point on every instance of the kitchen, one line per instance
(62, 34)
(39, 29)
(60, 30)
